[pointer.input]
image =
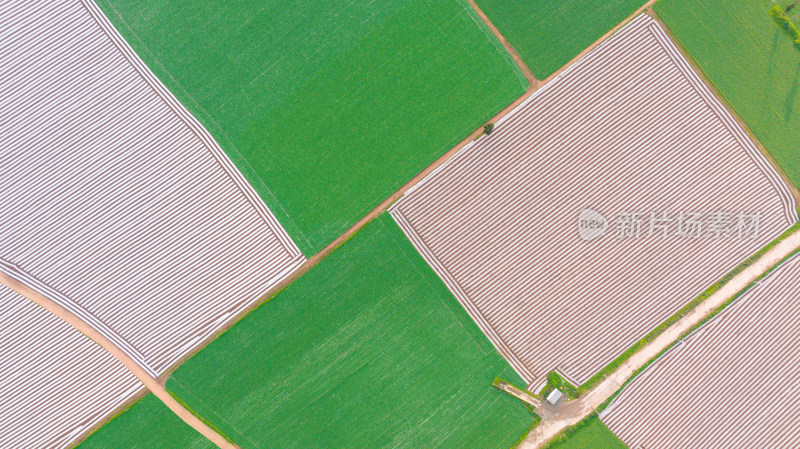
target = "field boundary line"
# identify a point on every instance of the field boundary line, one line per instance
(132, 365)
(194, 125)
(452, 285)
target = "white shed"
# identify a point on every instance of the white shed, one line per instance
(554, 396)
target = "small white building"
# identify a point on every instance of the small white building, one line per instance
(554, 396)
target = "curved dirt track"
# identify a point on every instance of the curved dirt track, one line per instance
(557, 419)
(151, 383)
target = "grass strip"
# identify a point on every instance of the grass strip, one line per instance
(616, 363)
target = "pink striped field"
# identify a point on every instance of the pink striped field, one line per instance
(116, 202)
(731, 384)
(55, 384)
(629, 134)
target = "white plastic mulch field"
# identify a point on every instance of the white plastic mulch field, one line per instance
(114, 201)
(597, 208)
(55, 384)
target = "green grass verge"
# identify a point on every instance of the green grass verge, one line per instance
(751, 62)
(327, 107)
(548, 34)
(705, 320)
(590, 433)
(367, 350)
(608, 369)
(146, 424)
(200, 417)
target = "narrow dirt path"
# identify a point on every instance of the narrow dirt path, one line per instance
(558, 418)
(151, 383)
(507, 45)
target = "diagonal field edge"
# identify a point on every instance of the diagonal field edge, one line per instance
(462, 297)
(198, 129)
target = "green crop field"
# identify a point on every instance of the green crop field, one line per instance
(752, 63)
(589, 434)
(548, 34)
(367, 350)
(327, 107)
(147, 424)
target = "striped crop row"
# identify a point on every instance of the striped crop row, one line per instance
(55, 384)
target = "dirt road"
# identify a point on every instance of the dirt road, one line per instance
(151, 383)
(556, 419)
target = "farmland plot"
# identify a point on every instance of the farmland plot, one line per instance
(366, 350)
(732, 383)
(55, 383)
(116, 203)
(669, 192)
(327, 106)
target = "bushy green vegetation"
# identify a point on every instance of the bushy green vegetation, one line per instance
(784, 22)
(751, 62)
(327, 107)
(367, 350)
(548, 34)
(147, 424)
(590, 433)
(556, 381)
